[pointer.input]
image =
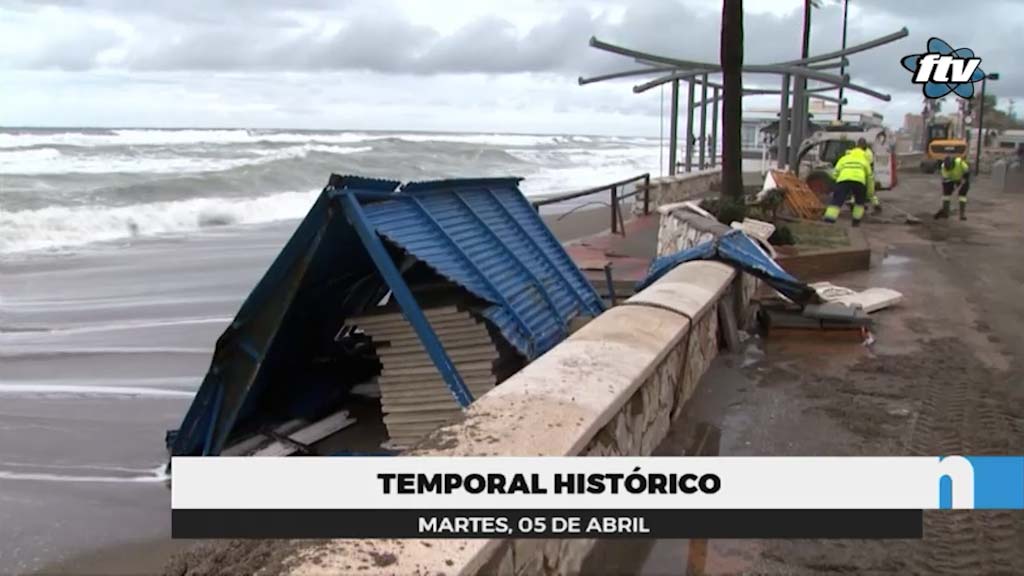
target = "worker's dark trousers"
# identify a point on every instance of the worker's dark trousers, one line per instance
(947, 193)
(840, 192)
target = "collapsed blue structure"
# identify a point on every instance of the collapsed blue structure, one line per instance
(736, 248)
(360, 242)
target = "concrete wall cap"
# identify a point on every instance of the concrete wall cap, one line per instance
(696, 174)
(553, 407)
(689, 289)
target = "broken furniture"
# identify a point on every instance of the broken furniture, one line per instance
(798, 197)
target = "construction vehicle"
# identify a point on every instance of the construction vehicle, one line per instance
(820, 152)
(941, 142)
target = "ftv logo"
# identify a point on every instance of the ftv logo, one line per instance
(942, 70)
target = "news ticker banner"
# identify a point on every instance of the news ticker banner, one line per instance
(654, 497)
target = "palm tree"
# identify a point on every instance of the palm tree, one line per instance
(731, 55)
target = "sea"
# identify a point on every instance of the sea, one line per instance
(125, 253)
(61, 189)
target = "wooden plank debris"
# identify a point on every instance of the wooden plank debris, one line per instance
(798, 198)
(414, 397)
(308, 435)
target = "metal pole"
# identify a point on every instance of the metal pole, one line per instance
(689, 125)
(714, 129)
(661, 135)
(842, 69)
(798, 120)
(981, 129)
(647, 194)
(703, 120)
(673, 130)
(782, 140)
(615, 210)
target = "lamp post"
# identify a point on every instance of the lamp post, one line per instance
(981, 121)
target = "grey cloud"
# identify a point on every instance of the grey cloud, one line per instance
(76, 49)
(247, 35)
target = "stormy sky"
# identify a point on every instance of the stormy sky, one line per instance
(481, 65)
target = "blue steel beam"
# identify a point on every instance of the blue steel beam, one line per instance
(379, 254)
(544, 254)
(515, 258)
(462, 253)
(218, 399)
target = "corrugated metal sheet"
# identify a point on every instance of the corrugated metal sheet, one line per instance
(485, 236)
(736, 248)
(481, 234)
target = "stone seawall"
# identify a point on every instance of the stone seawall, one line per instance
(686, 186)
(610, 389)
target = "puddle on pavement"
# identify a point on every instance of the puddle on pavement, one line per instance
(892, 265)
(895, 260)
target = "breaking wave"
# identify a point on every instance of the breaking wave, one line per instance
(65, 226)
(62, 189)
(51, 161)
(138, 137)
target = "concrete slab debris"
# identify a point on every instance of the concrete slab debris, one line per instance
(756, 228)
(870, 300)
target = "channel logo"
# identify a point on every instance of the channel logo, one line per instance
(983, 482)
(943, 69)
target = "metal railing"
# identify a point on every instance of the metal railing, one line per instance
(616, 197)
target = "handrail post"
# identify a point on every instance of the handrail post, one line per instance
(647, 194)
(615, 209)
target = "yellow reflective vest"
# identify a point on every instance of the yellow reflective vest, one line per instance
(854, 166)
(956, 173)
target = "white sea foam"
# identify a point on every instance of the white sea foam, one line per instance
(45, 389)
(157, 474)
(76, 217)
(134, 137)
(50, 161)
(131, 137)
(64, 226)
(41, 332)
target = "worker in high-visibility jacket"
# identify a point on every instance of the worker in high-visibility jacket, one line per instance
(872, 196)
(956, 175)
(851, 175)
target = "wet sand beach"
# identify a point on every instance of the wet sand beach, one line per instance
(100, 353)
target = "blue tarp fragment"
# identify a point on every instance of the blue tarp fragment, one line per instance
(738, 249)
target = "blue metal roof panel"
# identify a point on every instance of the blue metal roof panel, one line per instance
(481, 234)
(484, 235)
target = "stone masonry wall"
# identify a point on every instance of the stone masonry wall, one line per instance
(686, 186)
(610, 389)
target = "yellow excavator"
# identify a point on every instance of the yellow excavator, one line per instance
(941, 143)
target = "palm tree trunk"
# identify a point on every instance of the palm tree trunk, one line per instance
(732, 100)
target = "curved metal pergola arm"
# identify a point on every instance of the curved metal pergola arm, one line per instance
(755, 69)
(770, 92)
(625, 74)
(828, 65)
(902, 33)
(687, 75)
(645, 56)
(833, 84)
